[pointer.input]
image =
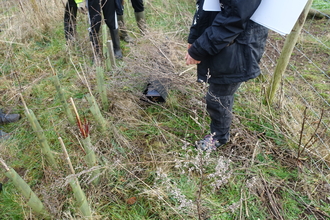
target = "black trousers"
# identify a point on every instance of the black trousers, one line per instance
(219, 104)
(137, 5)
(70, 15)
(95, 10)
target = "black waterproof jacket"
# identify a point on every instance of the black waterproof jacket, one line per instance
(228, 44)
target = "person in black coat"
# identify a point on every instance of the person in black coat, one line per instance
(227, 47)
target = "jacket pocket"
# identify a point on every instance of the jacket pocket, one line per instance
(229, 61)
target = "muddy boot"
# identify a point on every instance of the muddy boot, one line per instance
(141, 21)
(8, 118)
(123, 31)
(116, 43)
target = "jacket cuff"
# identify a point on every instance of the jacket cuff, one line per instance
(193, 52)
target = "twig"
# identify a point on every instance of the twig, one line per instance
(307, 145)
(301, 132)
(190, 68)
(246, 206)
(272, 203)
(4, 164)
(66, 155)
(23, 101)
(51, 66)
(18, 80)
(86, 81)
(318, 126)
(74, 66)
(81, 128)
(254, 153)
(96, 58)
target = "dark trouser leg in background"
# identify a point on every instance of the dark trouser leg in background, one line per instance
(137, 5)
(219, 100)
(110, 17)
(109, 12)
(95, 18)
(139, 14)
(70, 16)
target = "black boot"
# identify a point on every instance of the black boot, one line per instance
(8, 118)
(116, 43)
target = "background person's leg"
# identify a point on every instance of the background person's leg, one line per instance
(95, 19)
(70, 17)
(139, 14)
(109, 12)
(137, 5)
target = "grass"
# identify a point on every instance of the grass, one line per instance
(147, 152)
(321, 4)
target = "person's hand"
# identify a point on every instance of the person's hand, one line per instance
(190, 60)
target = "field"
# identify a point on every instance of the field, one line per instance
(146, 166)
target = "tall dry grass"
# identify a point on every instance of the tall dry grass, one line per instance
(30, 19)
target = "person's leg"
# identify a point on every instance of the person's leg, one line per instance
(109, 12)
(121, 22)
(123, 30)
(219, 101)
(139, 14)
(70, 16)
(95, 18)
(137, 5)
